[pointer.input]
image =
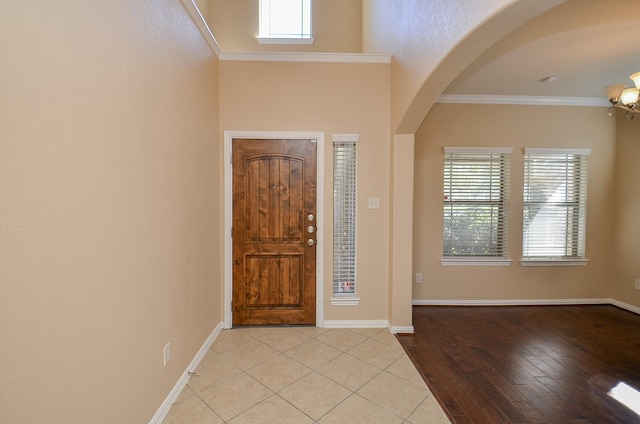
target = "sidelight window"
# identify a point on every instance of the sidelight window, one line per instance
(344, 217)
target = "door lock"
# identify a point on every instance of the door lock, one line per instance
(311, 242)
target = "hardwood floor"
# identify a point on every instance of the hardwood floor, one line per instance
(527, 364)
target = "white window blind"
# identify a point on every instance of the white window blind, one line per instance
(476, 194)
(285, 19)
(555, 199)
(344, 215)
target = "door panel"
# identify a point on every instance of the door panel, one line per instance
(274, 193)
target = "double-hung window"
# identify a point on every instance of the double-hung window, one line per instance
(285, 22)
(344, 219)
(475, 208)
(555, 201)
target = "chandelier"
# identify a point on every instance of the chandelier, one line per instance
(624, 98)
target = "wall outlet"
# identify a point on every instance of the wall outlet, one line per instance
(373, 203)
(167, 354)
(419, 277)
(638, 283)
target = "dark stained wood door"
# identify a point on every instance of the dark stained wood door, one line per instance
(274, 231)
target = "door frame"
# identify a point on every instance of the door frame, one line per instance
(229, 135)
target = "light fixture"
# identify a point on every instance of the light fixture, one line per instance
(625, 98)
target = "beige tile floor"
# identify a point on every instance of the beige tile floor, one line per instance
(306, 375)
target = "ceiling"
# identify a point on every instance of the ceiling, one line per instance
(586, 44)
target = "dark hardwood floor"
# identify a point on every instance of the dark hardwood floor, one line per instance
(527, 364)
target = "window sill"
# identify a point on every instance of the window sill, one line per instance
(345, 301)
(470, 261)
(554, 262)
(275, 40)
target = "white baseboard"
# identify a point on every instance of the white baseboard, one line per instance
(626, 306)
(401, 329)
(512, 302)
(381, 323)
(527, 302)
(163, 410)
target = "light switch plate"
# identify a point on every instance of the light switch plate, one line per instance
(373, 202)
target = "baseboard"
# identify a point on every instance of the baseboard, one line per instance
(511, 302)
(626, 306)
(401, 329)
(382, 323)
(163, 410)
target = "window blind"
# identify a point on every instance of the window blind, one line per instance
(555, 198)
(344, 217)
(476, 193)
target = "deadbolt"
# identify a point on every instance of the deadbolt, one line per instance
(311, 229)
(311, 217)
(311, 242)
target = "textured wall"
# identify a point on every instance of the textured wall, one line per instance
(109, 207)
(627, 224)
(336, 26)
(517, 127)
(334, 98)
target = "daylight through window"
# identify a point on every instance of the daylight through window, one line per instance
(555, 199)
(476, 192)
(285, 19)
(344, 216)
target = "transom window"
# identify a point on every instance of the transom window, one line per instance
(285, 21)
(555, 200)
(476, 193)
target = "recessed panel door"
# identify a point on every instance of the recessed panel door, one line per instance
(274, 231)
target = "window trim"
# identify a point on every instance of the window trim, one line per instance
(556, 261)
(346, 299)
(473, 260)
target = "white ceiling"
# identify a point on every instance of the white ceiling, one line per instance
(586, 44)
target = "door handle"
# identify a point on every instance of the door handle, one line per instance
(311, 242)
(311, 229)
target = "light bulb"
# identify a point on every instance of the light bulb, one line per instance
(636, 79)
(629, 96)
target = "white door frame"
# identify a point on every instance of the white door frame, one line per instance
(228, 213)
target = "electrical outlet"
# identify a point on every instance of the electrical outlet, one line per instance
(638, 283)
(167, 354)
(418, 277)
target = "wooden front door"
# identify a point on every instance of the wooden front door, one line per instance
(274, 231)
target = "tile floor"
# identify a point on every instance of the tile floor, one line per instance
(306, 375)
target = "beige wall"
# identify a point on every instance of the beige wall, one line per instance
(517, 127)
(627, 222)
(432, 42)
(109, 162)
(333, 98)
(336, 26)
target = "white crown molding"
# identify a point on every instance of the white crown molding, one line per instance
(201, 23)
(523, 100)
(305, 57)
(163, 410)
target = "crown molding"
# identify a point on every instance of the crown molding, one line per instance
(306, 57)
(201, 23)
(522, 100)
